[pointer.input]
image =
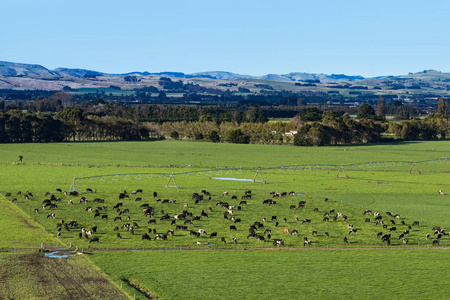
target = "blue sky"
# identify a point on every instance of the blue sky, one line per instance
(248, 37)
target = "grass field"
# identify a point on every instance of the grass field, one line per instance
(374, 182)
(19, 230)
(319, 274)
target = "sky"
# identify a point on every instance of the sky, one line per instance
(368, 38)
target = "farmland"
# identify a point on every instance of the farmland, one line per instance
(375, 177)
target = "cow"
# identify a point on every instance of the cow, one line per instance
(441, 192)
(117, 219)
(201, 231)
(274, 218)
(50, 216)
(294, 232)
(327, 234)
(223, 240)
(314, 233)
(286, 230)
(415, 223)
(405, 241)
(393, 229)
(146, 237)
(104, 216)
(306, 221)
(436, 242)
(346, 240)
(278, 242)
(234, 240)
(36, 210)
(367, 221)
(379, 234)
(94, 239)
(352, 231)
(232, 227)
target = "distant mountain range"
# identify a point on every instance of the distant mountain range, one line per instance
(20, 69)
(428, 83)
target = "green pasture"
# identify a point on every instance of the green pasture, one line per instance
(211, 155)
(19, 230)
(413, 196)
(283, 274)
(105, 90)
(375, 177)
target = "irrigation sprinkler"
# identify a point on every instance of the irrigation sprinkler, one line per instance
(341, 169)
(414, 169)
(73, 186)
(261, 179)
(172, 177)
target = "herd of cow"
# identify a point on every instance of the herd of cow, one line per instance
(190, 219)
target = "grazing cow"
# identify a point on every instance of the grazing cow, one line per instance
(392, 228)
(326, 219)
(416, 223)
(234, 240)
(388, 214)
(50, 216)
(260, 238)
(314, 233)
(237, 221)
(201, 231)
(349, 226)
(327, 234)
(117, 219)
(161, 237)
(214, 234)
(306, 221)
(285, 230)
(223, 240)
(294, 232)
(378, 218)
(306, 242)
(278, 242)
(233, 197)
(316, 209)
(292, 207)
(104, 216)
(367, 221)
(392, 222)
(379, 234)
(436, 242)
(368, 212)
(94, 239)
(36, 210)
(296, 218)
(276, 224)
(232, 227)
(274, 218)
(441, 192)
(242, 202)
(353, 231)
(345, 240)
(146, 237)
(403, 223)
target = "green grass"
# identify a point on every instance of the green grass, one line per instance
(26, 275)
(202, 154)
(19, 230)
(250, 274)
(321, 274)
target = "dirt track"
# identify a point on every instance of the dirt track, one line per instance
(48, 278)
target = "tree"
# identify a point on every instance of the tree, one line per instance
(214, 136)
(442, 108)
(365, 111)
(237, 137)
(381, 108)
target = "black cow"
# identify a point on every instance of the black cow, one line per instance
(232, 227)
(146, 237)
(93, 240)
